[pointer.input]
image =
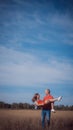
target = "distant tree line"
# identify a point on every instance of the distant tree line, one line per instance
(62, 107)
(4, 105)
(16, 106)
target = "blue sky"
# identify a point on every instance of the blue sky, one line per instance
(36, 49)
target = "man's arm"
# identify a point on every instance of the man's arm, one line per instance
(39, 104)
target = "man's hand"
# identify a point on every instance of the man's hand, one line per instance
(47, 101)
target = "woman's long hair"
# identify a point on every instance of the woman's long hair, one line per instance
(35, 97)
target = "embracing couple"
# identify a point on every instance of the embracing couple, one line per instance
(47, 105)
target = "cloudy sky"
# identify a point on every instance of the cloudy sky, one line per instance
(36, 49)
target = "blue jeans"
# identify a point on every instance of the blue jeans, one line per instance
(46, 114)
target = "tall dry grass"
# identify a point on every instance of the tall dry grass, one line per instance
(30, 120)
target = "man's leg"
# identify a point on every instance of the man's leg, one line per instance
(43, 118)
(48, 115)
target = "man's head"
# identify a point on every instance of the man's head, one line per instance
(47, 91)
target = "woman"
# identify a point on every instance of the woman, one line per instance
(38, 102)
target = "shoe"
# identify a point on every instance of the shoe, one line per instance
(52, 110)
(59, 98)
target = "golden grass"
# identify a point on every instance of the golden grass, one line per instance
(31, 120)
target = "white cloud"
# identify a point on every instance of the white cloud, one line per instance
(60, 19)
(24, 69)
(35, 28)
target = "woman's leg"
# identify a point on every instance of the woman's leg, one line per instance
(55, 99)
(52, 107)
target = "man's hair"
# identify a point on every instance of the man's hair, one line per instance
(35, 97)
(48, 90)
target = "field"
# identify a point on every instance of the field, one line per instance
(31, 120)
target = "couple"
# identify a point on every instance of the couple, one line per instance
(47, 104)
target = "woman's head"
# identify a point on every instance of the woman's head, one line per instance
(36, 97)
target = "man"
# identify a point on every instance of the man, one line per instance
(46, 109)
(45, 104)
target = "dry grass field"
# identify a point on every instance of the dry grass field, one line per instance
(31, 120)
